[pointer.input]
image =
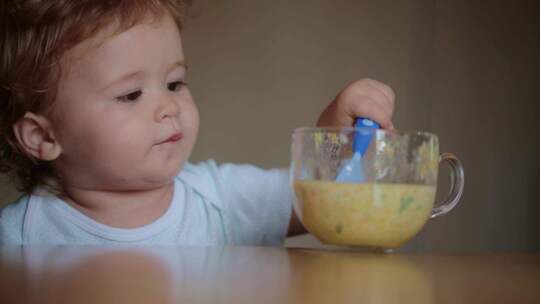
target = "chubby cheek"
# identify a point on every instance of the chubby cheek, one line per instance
(111, 145)
(123, 143)
(190, 123)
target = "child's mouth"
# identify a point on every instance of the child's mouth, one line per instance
(173, 138)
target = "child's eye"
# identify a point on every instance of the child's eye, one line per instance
(133, 96)
(175, 86)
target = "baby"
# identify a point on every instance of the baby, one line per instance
(97, 125)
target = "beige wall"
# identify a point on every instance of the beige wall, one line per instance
(466, 70)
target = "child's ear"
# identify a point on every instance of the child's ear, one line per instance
(36, 136)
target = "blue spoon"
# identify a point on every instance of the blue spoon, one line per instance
(353, 171)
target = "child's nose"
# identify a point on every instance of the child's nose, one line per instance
(167, 107)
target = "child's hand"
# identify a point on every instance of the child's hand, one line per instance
(363, 98)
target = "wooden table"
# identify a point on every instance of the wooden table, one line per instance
(261, 275)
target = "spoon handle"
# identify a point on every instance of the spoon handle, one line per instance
(363, 136)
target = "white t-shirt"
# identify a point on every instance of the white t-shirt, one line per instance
(211, 205)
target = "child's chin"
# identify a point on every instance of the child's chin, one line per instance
(151, 184)
(170, 174)
(172, 171)
(152, 181)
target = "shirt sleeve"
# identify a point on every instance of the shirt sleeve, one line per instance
(257, 202)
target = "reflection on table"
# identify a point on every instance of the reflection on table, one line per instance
(261, 275)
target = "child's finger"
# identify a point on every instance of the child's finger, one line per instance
(372, 88)
(385, 89)
(382, 99)
(369, 108)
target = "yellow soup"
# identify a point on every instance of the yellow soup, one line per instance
(377, 215)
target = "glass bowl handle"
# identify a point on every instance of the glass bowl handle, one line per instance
(457, 182)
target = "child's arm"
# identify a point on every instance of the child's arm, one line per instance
(363, 98)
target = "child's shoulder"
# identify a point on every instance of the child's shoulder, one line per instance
(15, 210)
(210, 172)
(201, 178)
(200, 169)
(221, 181)
(12, 220)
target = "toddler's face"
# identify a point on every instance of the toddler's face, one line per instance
(124, 119)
